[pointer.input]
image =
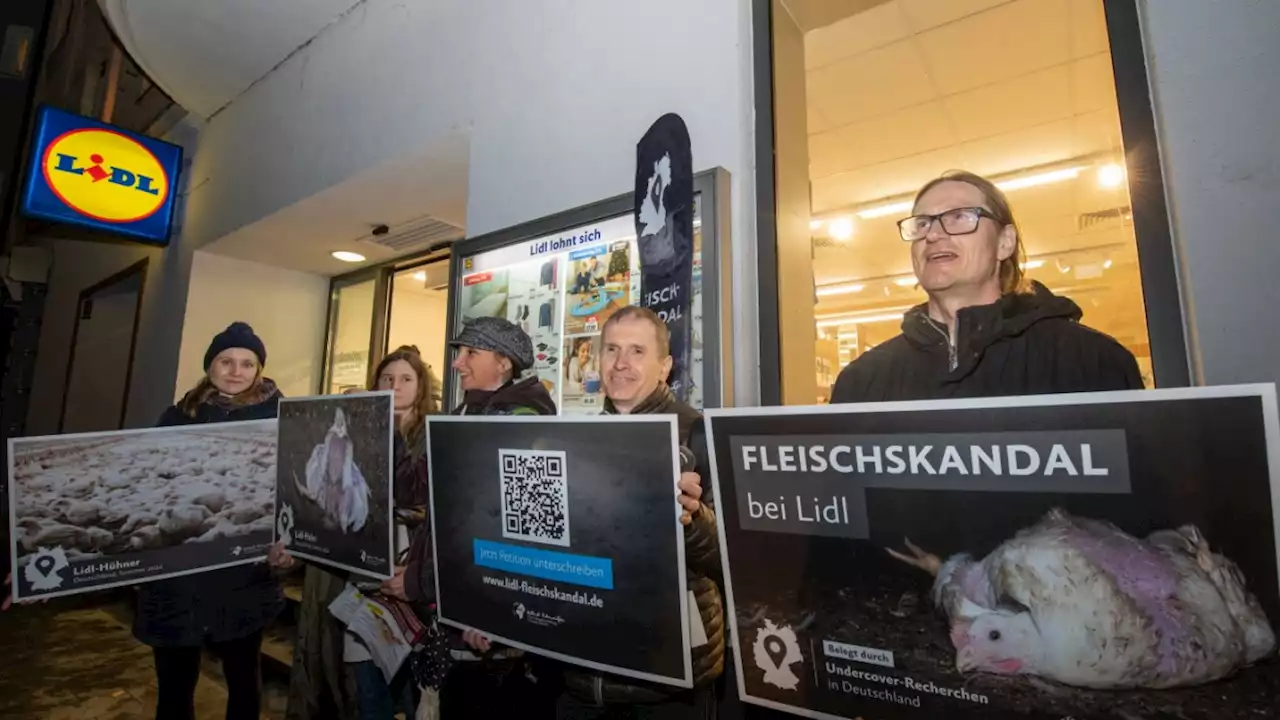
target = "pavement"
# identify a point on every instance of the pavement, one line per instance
(77, 660)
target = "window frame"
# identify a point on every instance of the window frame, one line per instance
(1157, 261)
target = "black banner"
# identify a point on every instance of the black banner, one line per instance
(334, 481)
(664, 232)
(562, 537)
(1083, 556)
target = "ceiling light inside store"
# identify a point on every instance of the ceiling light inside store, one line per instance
(859, 320)
(1032, 264)
(420, 276)
(882, 210)
(841, 228)
(815, 224)
(1038, 179)
(906, 281)
(1013, 183)
(1110, 175)
(347, 256)
(839, 289)
(1106, 264)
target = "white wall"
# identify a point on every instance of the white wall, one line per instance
(77, 265)
(419, 319)
(1213, 74)
(287, 310)
(554, 96)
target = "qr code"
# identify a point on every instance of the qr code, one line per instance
(535, 496)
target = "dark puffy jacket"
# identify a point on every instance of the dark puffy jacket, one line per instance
(704, 577)
(1023, 344)
(221, 604)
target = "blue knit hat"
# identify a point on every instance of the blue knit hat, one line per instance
(237, 335)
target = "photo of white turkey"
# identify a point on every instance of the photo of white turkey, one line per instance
(334, 481)
(1081, 602)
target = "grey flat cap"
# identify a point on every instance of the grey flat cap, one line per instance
(500, 336)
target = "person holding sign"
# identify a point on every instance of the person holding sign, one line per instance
(636, 360)
(226, 608)
(985, 330)
(490, 681)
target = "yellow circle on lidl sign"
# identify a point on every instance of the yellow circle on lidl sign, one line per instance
(105, 175)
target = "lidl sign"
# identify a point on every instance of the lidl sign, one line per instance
(84, 172)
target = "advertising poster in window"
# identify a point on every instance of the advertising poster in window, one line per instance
(99, 510)
(534, 306)
(567, 285)
(583, 389)
(562, 537)
(600, 285)
(334, 481)
(1088, 556)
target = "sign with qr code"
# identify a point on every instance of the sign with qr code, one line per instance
(562, 536)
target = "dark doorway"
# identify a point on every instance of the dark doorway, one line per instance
(102, 346)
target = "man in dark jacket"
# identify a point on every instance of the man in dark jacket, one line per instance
(985, 330)
(636, 358)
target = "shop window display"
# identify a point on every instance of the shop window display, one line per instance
(560, 290)
(904, 91)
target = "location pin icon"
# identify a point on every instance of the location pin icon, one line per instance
(44, 565)
(776, 649)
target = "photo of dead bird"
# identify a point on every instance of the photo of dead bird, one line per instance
(958, 600)
(95, 499)
(333, 481)
(1083, 603)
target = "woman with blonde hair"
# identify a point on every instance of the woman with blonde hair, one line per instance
(327, 656)
(225, 609)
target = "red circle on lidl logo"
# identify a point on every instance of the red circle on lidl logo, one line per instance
(105, 175)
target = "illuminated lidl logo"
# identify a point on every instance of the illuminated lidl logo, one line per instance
(105, 175)
(87, 173)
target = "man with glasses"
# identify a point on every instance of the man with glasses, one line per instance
(985, 330)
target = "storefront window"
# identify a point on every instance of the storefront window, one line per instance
(420, 311)
(351, 326)
(1021, 92)
(561, 289)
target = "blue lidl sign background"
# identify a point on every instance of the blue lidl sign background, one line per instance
(87, 173)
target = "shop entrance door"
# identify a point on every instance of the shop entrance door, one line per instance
(102, 344)
(419, 313)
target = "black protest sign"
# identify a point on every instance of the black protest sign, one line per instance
(334, 481)
(1085, 556)
(562, 537)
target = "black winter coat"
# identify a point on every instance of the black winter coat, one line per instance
(218, 605)
(1023, 344)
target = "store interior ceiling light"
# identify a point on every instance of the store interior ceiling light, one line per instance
(1038, 179)
(347, 256)
(1016, 182)
(839, 289)
(1110, 175)
(840, 228)
(816, 224)
(859, 320)
(420, 276)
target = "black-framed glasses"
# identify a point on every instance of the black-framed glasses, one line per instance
(957, 221)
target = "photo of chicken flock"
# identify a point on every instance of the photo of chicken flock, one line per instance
(100, 495)
(1063, 615)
